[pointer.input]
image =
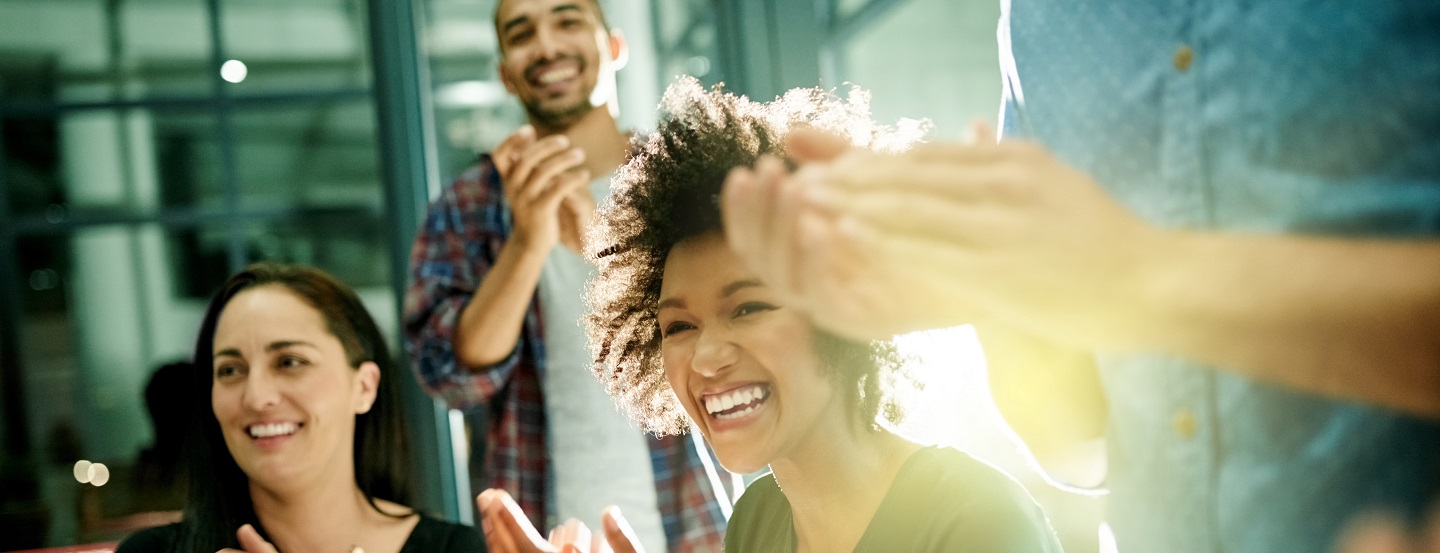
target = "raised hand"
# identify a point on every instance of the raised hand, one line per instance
(877, 244)
(508, 530)
(538, 175)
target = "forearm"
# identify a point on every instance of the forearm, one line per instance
(1355, 319)
(490, 325)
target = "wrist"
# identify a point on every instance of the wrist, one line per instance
(1169, 267)
(528, 244)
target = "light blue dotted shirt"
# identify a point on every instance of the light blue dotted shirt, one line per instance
(1297, 116)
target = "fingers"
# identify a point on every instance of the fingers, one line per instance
(572, 535)
(618, 532)
(785, 199)
(980, 132)
(549, 172)
(252, 542)
(541, 151)
(505, 154)
(742, 209)
(748, 210)
(810, 145)
(562, 186)
(507, 529)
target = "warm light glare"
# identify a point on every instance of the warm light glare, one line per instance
(234, 71)
(82, 471)
(950, 364)
(1107, 539)
(99, 474)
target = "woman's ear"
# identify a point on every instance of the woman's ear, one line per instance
(369, 378)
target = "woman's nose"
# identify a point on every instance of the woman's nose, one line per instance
(260, 390)
(714, 352)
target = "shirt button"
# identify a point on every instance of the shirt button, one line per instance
(1184, 423)
(1183, 56)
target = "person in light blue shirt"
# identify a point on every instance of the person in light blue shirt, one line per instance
(1204, 261)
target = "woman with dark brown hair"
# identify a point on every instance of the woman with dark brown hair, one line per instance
(301, 447)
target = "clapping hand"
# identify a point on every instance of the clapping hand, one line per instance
(542, 178)
(508, 530)
(874, 244)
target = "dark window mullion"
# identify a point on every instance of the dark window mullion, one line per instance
(225, 136)
(12, 370)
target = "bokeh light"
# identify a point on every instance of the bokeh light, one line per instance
(234, 71)
(82, 471)
(99, 474)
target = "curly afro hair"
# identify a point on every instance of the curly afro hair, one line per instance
(669, 192)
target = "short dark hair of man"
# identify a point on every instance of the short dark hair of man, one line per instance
(669, 192)
(500, 35)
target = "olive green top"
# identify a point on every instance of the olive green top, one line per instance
(942, 500)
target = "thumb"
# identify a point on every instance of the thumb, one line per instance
(619, 533)
(805, 145)
(252, 542)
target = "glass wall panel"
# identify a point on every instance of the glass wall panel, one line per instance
(847, 8)
(320, 154)
(99, 50)
(473, 112)
(102, 312)
(346, 242)
(688, 41)
(285, 46)
(126, 163)
(929, 58)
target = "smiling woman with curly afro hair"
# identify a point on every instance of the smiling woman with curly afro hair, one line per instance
(668, 193)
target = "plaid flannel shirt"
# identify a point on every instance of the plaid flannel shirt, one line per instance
(459, 240)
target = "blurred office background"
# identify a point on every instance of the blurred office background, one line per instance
(152, 147)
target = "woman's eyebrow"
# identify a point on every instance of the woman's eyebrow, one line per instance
(739, 285)
(725, 292)
(274, 346)
(283, 344)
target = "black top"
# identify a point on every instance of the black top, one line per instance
(430, 534)
(942, 500)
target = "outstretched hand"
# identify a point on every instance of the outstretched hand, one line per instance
(508, 530)
(874, 245)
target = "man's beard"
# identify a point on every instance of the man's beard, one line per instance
(558, 117)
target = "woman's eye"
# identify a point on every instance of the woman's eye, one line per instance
(289, 362)
(676, 326)
(752, 307)
(226, 371)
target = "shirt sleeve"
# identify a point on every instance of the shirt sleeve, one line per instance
(454, 249)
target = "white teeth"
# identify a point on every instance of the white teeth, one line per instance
(556, 76)
(750, 394)
(736, 415)
(273, 429)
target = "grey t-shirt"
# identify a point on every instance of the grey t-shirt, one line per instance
(599, 458)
